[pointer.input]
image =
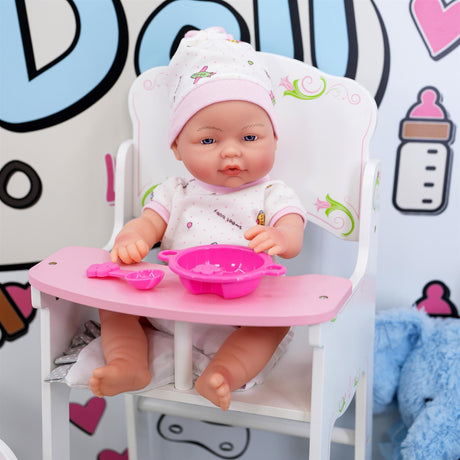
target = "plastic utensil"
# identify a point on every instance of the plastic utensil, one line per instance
(140, 279)
(227, 270)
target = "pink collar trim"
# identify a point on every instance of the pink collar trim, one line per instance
(222, 189)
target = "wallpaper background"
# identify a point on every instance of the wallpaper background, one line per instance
(66, 66)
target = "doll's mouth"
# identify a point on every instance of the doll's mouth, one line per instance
(231, 170)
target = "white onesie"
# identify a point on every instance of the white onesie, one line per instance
(197, 214)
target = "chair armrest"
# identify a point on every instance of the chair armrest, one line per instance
(123, 189)
(366, 262)
(359, 304)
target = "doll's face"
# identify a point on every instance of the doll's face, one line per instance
(228, 144)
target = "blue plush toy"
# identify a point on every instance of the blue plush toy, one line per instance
(417, 359)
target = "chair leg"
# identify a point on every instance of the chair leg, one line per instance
(55, 396)
(131, 425)
(320, 441)
(59, 319)
(320, 429)
(363, 418)
(183, 378)
(55, 420)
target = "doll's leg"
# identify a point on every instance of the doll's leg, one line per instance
(125, 349)
(241, 357)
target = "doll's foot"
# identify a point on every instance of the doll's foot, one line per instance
(215, 387)
(117, 377)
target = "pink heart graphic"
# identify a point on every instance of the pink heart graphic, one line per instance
(87, 417)
(21, 297)
(438, 24)
(112, 455)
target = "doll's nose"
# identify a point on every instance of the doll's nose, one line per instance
(230, 150)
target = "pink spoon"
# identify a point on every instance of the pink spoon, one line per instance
(140, 279)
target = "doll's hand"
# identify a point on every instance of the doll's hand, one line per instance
(269, 239)
(285, 238)
(129, 251)
(136, 238)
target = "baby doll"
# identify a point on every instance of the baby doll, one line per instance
(224, 131)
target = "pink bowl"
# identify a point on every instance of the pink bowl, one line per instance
(227, 270)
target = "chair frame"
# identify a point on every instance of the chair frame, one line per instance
(61, 315)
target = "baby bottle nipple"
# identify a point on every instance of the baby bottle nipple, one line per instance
(428, 107)
(427, 119)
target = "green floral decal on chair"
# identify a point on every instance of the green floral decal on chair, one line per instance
(309, 88)
(376, 186)
(330, 206)
(292, 89)
(148, 195)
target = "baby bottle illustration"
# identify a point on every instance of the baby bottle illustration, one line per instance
(423, 159)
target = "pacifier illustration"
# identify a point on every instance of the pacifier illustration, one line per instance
(140, 279)
(222, 441)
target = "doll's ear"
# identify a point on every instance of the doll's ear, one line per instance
(396, 333)
(176, 150)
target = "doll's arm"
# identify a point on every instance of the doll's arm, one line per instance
(137, 237)
(285, 238)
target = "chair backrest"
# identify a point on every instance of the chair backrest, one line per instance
(325, 127)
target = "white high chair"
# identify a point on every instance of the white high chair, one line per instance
(5, 452)
(325, 127)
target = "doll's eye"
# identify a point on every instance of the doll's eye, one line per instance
(207, 141)
(250, 138)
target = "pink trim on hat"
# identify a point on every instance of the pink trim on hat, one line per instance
(220, 91)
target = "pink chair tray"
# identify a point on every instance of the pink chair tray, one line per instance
(277, 301)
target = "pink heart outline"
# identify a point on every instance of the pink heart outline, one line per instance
(17, 311)
(87, 417)
(21, 296)
(438, 24)
(109, 454)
